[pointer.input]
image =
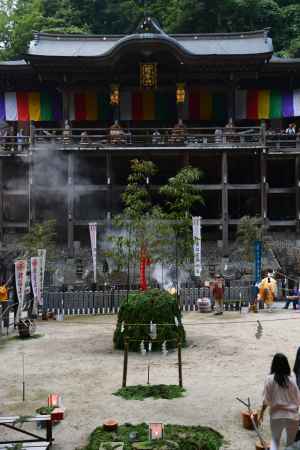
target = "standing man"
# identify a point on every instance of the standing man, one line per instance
(268, 290)
(218, 291)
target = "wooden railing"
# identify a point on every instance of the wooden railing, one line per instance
(102, 138)
(98, 138)
(281, 141)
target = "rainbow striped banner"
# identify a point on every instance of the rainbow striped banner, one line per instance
(148, 105)
(89, 105)
(255, 104)
(36, 106)
(202, 104)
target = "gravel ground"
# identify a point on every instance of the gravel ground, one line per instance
(76, 359)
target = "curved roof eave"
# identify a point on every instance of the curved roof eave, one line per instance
(190, 47)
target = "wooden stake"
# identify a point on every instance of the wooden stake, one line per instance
(23, 377)
(125, 364)
(179, 363)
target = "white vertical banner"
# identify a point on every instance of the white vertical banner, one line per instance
(197, 246)
(20, 274)
(35, 270)
(42, 254)
(93, 237)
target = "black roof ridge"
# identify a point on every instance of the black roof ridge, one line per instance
(40, 35)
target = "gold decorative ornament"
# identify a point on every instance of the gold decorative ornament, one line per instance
(114, 94)
(180, 93)
(148, 75)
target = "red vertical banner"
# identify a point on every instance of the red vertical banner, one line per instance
(144, 262)
(252, 104)
(137, 106)
(80, 107)
(23, 106)
(194, 105)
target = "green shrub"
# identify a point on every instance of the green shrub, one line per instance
(140, 392)
(135, 316)
(186, 437)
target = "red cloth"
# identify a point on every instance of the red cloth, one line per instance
(218, 290)
(144, 262)
(252, 104)
(23, 106)
(194, 105)
(80, 107)
(137, 106)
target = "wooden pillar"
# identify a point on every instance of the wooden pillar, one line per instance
(30, 191)
(263, 188)
(297, 186)
(231, 101)
(180, 110)
(1, 200)
(180, 381)
(225, 218)
(66, 105)
(70, 203)
(186, 158)
(109, 186)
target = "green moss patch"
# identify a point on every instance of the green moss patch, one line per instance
(179, 436)
(135, 316)
(140, 392)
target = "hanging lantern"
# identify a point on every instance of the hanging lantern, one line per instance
(114, 94)
(148, 75)
(180, 93)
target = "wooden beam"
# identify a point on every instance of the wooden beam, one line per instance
(282, 223)
(109, 194)
(225, 218)
(243, 187)
(263, 188)
(282, 190)
(71, 203)
(30, 191)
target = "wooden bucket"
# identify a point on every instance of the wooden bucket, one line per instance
(259, 446)
(247, 422)
(110, 425)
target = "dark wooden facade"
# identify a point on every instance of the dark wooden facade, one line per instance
(78, 182)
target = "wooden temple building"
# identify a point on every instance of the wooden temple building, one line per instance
(80, 107)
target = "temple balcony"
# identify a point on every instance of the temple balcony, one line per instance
(77, 139)
(141, 139)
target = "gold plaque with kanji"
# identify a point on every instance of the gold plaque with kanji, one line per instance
(148, 75)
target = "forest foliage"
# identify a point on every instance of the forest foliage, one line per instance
(19, 18)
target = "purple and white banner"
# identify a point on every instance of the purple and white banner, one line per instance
(93, 237)
(20, 274)
(197, 246)
(35, 266)
(42, 254)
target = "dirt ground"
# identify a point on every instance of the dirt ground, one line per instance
(76, 359)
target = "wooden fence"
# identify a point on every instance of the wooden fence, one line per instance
(109, 301)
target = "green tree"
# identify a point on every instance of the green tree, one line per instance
(41, 235)
(132, 235)
(182, 196)
(249, 230)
